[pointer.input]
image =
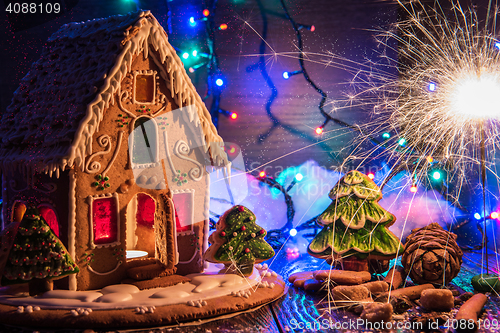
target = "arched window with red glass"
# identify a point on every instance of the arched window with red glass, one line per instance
(184, 211)
(105, 221)
(50, 216)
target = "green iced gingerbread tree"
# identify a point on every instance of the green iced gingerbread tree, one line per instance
(37, 255)
(355, 224)
(238, 240)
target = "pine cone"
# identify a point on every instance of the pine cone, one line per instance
(432, 255)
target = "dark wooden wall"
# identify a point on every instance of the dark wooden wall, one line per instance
(343, 28)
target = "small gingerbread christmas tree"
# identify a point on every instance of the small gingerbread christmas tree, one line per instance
(37, 255)
(238, 240)
(355, 226)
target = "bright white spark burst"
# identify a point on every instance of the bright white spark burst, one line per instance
(475, 96)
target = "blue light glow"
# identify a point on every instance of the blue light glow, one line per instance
(386, 135)
(477, 216)
(402, 142)
(286, 75)
(436, 175)
(219, 82)
(432, 87)
(299, 177)
(497, 45)
(185, 55)
(293, 232)
(192, 21)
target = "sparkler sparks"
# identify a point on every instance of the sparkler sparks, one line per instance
(444, 100)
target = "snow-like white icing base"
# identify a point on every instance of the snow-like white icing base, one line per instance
(203, 286)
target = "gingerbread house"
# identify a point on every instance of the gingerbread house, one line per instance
(108, 137)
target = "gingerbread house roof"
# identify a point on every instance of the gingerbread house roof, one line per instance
(61, 101)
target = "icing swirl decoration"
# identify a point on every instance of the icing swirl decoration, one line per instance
(124, 95)
(94, 166)
(181, 150)
(51, 187)
(13, 184)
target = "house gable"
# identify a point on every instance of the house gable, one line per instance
(84, 65)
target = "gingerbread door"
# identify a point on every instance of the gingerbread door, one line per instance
(140, 226)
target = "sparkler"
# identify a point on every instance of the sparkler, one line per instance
(444, 102)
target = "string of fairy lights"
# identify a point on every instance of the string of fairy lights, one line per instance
(216, 82)
(195, 60)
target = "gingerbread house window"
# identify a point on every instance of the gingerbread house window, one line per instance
(49, 215)
(144, 87)
(105, 221)
(144, 141)
(18, 210)
(146, 208)
(184, 211)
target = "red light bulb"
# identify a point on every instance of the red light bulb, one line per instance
(234, 115)
(206, 12)
(319, 130)
(223, 26)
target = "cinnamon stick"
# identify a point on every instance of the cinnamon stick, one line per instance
(298, 279)
(343, 277)
(395, 277)
(411, 292)
(470, 310)
(376, 287)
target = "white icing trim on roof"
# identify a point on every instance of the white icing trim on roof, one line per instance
(146, 32)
